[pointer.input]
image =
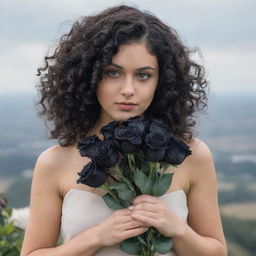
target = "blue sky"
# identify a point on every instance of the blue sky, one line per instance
(224, 30)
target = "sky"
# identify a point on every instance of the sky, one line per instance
(223, 30)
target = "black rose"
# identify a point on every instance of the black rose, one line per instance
(92, 175)
(108, 130)
(155, 146)
(88, 145)
(136, 121)
(156, 125)
(106, 154)
(128, 139)
(177, 151)
(156, 140)
(133, 118)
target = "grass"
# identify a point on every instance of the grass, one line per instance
(246, 211)
(237, 250)
(226, 186)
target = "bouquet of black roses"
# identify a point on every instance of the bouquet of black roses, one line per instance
(131, 160)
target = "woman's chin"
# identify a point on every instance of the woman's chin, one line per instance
(125, 116)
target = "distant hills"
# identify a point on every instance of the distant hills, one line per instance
(228, 128)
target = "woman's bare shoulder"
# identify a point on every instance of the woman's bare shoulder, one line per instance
(55, 156)
(49, 167)
(200, 150)
(201, 160)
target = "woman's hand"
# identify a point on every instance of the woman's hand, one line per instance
(118, 227)
(152, 211)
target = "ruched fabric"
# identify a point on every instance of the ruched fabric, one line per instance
(82, 210)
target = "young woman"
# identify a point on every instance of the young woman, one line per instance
(112, 66)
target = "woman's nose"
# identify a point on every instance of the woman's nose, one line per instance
(128, 87)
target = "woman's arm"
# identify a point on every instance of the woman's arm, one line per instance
(203, 235)
(45, 216)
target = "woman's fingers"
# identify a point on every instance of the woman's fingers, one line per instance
(147, 218)
(135, 232)
(145, 199)
(146, 207)
(133, 224)
(122, 212)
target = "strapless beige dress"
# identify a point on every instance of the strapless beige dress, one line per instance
(82, 210)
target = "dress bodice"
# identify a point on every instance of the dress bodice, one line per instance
(82, 210)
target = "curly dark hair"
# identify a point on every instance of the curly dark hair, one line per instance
(69, 79)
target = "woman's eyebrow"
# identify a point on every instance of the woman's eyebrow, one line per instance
(142, 68)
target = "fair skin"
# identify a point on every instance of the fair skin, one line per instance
(132, 76)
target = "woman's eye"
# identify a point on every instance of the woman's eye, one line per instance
(112, 73)
(144, 76)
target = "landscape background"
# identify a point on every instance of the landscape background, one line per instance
(225, 33)
(228, 128)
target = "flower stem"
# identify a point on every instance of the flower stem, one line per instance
(106, 188)
(164, 167)
(144, 253)
(131, 161)
(150, 247)
(150, 169)
(152, 166)
(116, 169)
(112, 177)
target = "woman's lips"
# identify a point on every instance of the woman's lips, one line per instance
(126, 106)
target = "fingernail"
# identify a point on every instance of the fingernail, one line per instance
(131, 207)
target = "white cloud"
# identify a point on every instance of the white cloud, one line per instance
(18, 65)
(216, 26)
(231, 71)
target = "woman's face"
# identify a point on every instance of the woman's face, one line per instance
(131, 78)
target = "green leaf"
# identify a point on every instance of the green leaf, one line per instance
(9, 228)
(125, 204)
(1, 220)
(9, 211)
(123, 191)
(162, 184)
(130, 246)
(142, 182)
(162, 244)
(14, 253)
(111, 202)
